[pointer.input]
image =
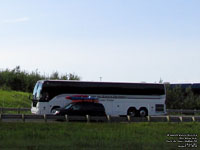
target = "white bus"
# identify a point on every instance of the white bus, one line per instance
(119, 99)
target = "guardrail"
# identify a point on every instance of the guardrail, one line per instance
(179, 111)
(87, 118)
(183, 111)
(169, 111)
(18, 110)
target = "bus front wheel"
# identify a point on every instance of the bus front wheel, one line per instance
(53, 110)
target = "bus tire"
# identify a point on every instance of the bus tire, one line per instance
(53, 110)
(132, 111)
(143, 112)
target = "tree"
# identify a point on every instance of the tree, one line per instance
(54, 75)
(18, 80)
(73, 77)
(178, 98)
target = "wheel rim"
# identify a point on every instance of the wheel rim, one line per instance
(132, 113)
(143, 113)
(53, 111)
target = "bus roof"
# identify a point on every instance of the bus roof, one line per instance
(116, 88)
(99, 82)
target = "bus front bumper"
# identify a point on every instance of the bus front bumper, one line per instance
(34, 110)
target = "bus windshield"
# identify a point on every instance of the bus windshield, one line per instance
(37, 91)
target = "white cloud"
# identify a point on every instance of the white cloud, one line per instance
(17, 20)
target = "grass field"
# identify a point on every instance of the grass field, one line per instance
(137, 136)
(14, 99)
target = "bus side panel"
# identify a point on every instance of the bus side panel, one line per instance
(117, 107)
(108, 105)
(59, 101)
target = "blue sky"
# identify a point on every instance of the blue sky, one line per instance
(119, 40)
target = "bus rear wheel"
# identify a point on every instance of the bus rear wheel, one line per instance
(132, 112)
(143, 112)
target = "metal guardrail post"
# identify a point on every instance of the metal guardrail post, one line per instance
(193, 119)
(181, 119)
(108, 117)
(66, 118)
(167, 118)
(45, 118)
(148, 118)
(23, 118)
(88, 118)
(128, 118)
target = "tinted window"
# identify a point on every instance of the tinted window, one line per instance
(68, 106)
(88, 106)
(99, 107)
(76, 107)
(58, 87)
(159, 107)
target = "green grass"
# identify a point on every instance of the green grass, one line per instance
(50, 136)
(14, 99)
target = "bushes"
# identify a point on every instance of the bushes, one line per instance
(178, 98)
(22, 81)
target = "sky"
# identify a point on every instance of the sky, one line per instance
(117, 40)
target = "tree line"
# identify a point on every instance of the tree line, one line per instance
(179, 98)
(18, 80)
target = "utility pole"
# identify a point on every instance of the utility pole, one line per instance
(100, 78)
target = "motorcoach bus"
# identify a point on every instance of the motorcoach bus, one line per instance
(135, 99)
